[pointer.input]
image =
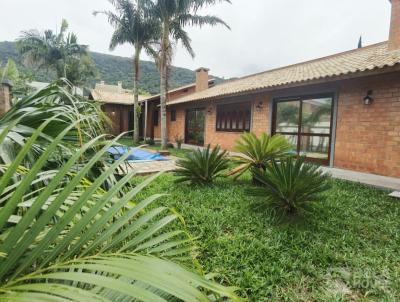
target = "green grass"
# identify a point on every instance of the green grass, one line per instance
(173, 151)
(345, 249)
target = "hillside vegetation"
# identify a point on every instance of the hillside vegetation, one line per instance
(112, 69)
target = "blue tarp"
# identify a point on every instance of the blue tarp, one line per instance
(136, 154)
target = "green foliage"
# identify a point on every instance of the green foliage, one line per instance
(111, 69)
(56, 109)
(60, 53)
(202, 166)
(64, 237)
(67, 236)
(290, 184)
(256, 153)
(149, 141)
(354, 230)
(179, 140)
(19, 80)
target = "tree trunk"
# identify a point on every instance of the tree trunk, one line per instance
(163, 85)
(136, 97)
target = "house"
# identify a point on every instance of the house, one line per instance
(117, 103)
(152, 106)
(340, 111)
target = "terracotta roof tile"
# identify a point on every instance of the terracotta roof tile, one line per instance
(112, 94)
(364, 59)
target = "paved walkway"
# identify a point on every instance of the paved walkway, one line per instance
(150, 167)
(383, 182)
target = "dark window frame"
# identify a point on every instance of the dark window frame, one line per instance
(233, 114)
(299, 133)
(173, 115)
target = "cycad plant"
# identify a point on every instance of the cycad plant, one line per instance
(202, 166)
(290, 184)
(255, 153)
(65, 238)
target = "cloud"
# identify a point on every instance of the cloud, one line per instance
(265, 33)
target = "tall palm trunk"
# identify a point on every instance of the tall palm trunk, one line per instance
(163, 84)
(136, 111)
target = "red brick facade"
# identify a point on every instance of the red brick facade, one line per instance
(119, 116)
(367, 136)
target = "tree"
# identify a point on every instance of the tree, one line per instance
(59, 53)
(173, 16)
(64, 236)
(18, 79)
(133, 24)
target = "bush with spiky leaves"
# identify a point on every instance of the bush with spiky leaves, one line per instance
(290, 184)
(202, 166)
(256, 153)
(65, 238)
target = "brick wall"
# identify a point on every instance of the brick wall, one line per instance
(368, 137)
(260, 122)
(119, 115)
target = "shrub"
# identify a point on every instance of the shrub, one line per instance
(202, 166)
(255, 153)
(178, 141)
(149, 141)
(290, 184)
(170, 146)
(65, 237)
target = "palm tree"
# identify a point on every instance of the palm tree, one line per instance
(133, 24)
(173, 16)
(64, 237)
(59, 53)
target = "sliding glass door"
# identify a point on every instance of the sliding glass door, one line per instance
(307, 124)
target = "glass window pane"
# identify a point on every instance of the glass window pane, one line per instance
(316, 116)
(292, 139)
(240, 121)
(316, 147)
(234, 120)
(228, 120)
(247, 120)
(287, 116)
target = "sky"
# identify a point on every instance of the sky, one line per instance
(264, 34)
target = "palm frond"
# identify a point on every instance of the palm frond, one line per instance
(74, 240)
(290, 184)
(202, 166)
(257, 152)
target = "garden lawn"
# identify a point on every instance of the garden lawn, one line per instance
(345, 249)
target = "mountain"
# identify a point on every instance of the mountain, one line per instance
(112, 69)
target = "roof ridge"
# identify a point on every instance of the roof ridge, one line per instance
(302, 63)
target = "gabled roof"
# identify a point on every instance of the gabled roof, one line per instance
(351, 62)
(157, 96)
(113, 94)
